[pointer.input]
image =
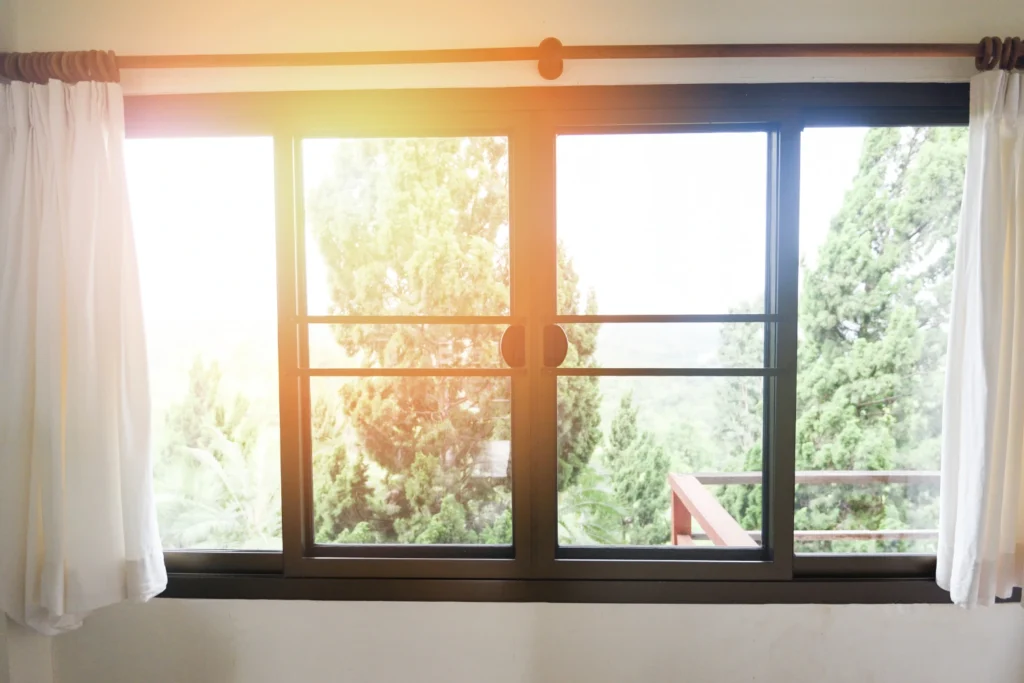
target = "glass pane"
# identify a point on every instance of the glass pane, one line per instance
(405, 346)
(879, 213)
(621, 438)
(407, 226)
(665, 345)
(412, 460)
(662, 223)
(203, 212)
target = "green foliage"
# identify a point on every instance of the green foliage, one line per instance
(217, 473)
(588, 513)
(739, 422)
(343, 494)
(579, 398)
(874, 315)
(638, 472)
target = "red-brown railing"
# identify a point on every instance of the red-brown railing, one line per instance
(692, 501)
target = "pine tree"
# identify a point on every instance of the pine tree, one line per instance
(638, 473)
(343, 495)
(579, 398)
(739, 416)
(874, 314)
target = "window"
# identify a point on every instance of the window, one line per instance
(401, 229)
(879, 214)
(203, 212)
(654, 344)
(669, 224)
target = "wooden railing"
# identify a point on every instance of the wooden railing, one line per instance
(692, 501)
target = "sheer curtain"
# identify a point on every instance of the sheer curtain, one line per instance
(77, 516)
(981, 519)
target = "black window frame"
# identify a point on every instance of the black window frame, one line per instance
(539, 570)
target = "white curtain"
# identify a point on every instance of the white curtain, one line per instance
(77, 514)
(981, 519)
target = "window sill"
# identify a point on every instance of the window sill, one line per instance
(797, 591)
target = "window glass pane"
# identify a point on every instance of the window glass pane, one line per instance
(412, 460)
(665, 345)
(879, 213)
(203, 213)
(621, 440)
(407, 226)
(662, 223)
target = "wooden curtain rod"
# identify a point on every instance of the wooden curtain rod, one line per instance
(990, 53)
(550, 55)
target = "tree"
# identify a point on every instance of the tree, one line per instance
(588, 513)
(579, 398)
(638, 473)
(420, 227)
(345, 506)
(874, 316)
(739, 416)
(218, 470)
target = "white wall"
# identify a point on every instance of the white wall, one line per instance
(5, 672)
(6, 29)
(201, 26)
(267, 642)
(27, 656)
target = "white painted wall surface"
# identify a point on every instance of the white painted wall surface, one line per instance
(5, 672)
(29, 656)
(6, 33)
(205, 26)
(172, 641)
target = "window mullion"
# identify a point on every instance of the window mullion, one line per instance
(539, 268)
(286, 187)
(784, 241)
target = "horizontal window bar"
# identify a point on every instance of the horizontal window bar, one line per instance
(408, 319)
(664, 372)
(404, 372)
(428, 552)
(405, 345)
(681, 318)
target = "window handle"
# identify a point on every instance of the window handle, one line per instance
(513, 346)
(556, 346)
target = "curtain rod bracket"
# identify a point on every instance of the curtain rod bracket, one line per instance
(549, 62)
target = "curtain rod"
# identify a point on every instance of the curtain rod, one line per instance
(990, 53)
(551, 53)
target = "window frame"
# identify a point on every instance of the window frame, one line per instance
(531, 118)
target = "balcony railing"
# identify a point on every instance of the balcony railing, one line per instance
(691, 500)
